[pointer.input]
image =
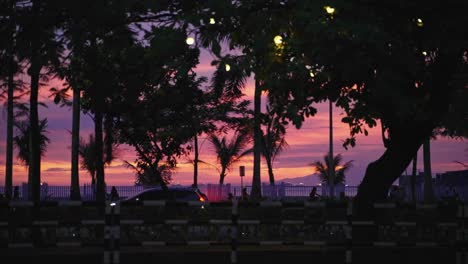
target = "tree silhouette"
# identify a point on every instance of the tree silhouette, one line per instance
(38, 44)
(339, 169)
(9, 67)
(273, 142)
(231, 151)
(21, 140)
(406, 70)
(87, 153)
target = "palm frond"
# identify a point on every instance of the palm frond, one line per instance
(340, 170)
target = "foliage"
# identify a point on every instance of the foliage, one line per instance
(145, 175)
(21, 140)
(87, 153)
(228, 152)
(273, 141)
(339, 170)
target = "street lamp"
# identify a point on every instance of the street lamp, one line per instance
(331, 167)
(278, 40)
(419, 22)
(190, 41)
(330, 10)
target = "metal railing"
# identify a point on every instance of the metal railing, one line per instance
(319, 224)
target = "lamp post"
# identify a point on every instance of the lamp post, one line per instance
(331, 167)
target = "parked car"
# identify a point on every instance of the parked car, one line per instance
(172, 194)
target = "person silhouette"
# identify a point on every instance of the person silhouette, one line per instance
(16, 193)
(313, 194)
(114, 195)
(245, 195)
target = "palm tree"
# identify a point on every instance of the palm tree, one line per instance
(230, 152)
(273, 143)
(8, 70)
(339, 170)
(87, 152)
(21, 140)
(145, 175)
(40, 45)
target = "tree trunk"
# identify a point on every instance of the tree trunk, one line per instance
(381, 173)
(428, 189)
(222, 175)
(270, 171)
(100, 183)
(195, 162)
(75, 180)
(9, 139)
(413, 178)
(256, 181)
(34, 136)
(331, 166)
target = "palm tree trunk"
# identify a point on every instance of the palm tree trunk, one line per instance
(75, 180)
(270, 171)
(428, 189)
(331, 167)
(195, 161)
(100, 183)
(256, 181)
(222, 175)
(34, 136)
(413, 178)
(9, 139)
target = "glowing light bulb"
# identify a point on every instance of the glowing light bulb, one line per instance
(212, 21)
(312, 74)
(227, 67)
(278, 40)
(419, 22)
(424, 53)
(330, 10)
(190, 41)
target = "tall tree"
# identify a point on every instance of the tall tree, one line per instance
(231, 151)
(40, 45)
(8, 70)
(370, 63)
(161, 93)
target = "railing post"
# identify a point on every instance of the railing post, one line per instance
(349, 232)
(234, 232)
(112, 233)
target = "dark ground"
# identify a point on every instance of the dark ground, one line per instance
(221, 254)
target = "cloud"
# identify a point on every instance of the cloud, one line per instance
(57, 169)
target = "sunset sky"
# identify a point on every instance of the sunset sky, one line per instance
(306, 145)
